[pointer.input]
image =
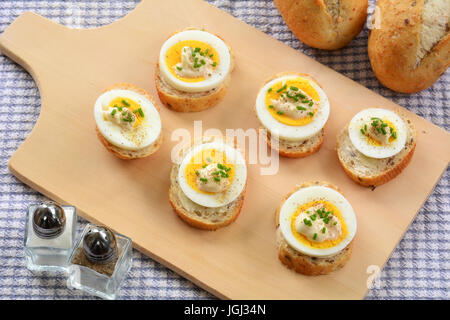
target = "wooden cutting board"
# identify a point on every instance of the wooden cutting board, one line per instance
(63, 159)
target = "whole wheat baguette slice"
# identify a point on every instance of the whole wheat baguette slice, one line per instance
(298, 149)
(199, 216)
(182, 101)
(131, 154)
(301, 263)
(301, 148)
(370, 172)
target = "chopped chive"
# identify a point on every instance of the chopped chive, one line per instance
(315, 236)
(125, 103)
(208, 159)
(301, 95)
(312, 217)
(301, 108)
(280, 112)
(216, 179)
(179, 68)
(202, 61)
(203, 180)
(305, 101)
(270, 90)
(335, 223)
(294, 88)
(204, 166)
(196, 172)
(323, 230)
(394, 135)
(271, 106)
(282, 88)
(362, 131)
(311, 104)
(113, 112)
(214, 64)
(197, 49)
(211, 55)
(141, 113)
(311, 114)
(207, 50)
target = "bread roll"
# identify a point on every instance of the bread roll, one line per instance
(409, 45)
(324, 24)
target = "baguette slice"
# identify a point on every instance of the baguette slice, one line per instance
(199, 216)
(371, 172)
(182, 101)
(131, 154)
(299, 149)
(304, 264)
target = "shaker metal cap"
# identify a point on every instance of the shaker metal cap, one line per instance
(99, 245)
(49, 220)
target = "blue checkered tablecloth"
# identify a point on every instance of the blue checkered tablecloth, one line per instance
(419, 268)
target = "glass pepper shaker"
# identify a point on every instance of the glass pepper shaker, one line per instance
(50, 231)
(100, 261)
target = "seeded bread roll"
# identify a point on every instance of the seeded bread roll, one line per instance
(370, 172)
(182, 101)
(299, 262)
(409, 45)
(199, 216)
(324, 24)
(131, 154)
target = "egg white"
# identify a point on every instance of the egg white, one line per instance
(220, 73)
(219, 199)
(287, 132)
(111, 131)
(306, 195)
(360, 141)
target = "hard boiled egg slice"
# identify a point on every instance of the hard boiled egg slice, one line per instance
(377, 133)
(307, 234)
(308, 103)
(194, 61)
(146, 126)
(230, 165)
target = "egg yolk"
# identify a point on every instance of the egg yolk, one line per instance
(374, 142)
(275, 92)
(201, 160)
(173, 56)
(132, 105)
(327, 243)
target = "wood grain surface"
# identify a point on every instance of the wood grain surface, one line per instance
(63, 159)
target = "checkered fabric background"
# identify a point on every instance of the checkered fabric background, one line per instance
(418, 269)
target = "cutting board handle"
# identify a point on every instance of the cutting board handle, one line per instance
(25, 39)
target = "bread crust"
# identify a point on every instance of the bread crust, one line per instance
(197, 222)
(315, 25)
(186, 102)
(390, 172)
(301, 263)
(131, 154)
(181, 101)
(298, 151)
(306, 147)
(195, 218)
(394, 45)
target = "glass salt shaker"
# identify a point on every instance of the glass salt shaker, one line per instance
(100, 261)
(50, 231)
